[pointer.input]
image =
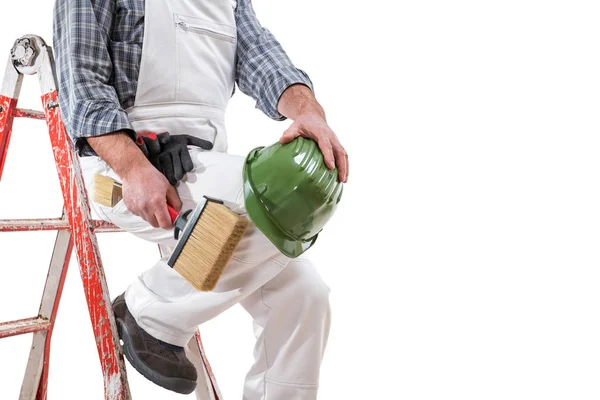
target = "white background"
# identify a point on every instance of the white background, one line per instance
(464, 260)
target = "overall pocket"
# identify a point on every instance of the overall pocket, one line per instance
(205, 60)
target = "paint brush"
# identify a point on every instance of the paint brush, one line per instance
(209, 235)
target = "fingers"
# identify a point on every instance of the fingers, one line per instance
(173, 198)
(327, 150)
(163, 217)
(149, 212)
(334, 154)
(177, 167)
(347, 166)
(146, 194)
(166, 164)
(341, 160)
(157, 213)
(290, 134)
(151, 220)
(194, 141)
(156, 209)
(163, 138)
(186, 160)
(341, 156)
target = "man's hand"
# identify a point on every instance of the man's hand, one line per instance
(146, 191)
(316, 128)
(298, 103)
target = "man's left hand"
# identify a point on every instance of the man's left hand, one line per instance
(314, 126)
(299, 103)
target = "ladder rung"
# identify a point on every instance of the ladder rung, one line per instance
(24, 113)
(103, 226)
(18, 225)
(50, 224)
(22, 326)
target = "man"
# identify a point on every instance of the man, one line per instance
(128, 66)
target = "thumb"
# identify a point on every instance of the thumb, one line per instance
(173, 198)
(290, 134)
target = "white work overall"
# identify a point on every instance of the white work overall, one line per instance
(186, 79)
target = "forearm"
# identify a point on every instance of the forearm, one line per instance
(120, 153)
(299, 100)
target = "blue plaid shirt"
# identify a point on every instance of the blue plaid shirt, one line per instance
(98, 48)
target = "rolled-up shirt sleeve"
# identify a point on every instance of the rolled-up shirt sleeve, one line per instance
(263, 69)
(89, 103)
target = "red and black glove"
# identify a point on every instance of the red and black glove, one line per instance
(148, 143)
(170, 154)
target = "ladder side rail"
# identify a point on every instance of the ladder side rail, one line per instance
(215, 392)
(78, 214)
(76, 218)
(9, 96)
(35, 381)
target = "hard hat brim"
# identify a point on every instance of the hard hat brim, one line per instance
(257, 213)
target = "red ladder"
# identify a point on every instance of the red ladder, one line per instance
(30, 55)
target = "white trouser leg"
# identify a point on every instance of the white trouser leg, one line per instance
(163, 303)
(287, 299)
(291, 319)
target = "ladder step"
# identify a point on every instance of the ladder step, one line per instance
(50, 224)
(22, 326)
(18, 225)
(33, 114)
(103, 226)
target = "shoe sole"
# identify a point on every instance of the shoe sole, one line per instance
(179, 385)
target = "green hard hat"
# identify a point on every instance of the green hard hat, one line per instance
(290, 194)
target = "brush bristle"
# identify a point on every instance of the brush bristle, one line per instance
(210, 246)
(106, 191)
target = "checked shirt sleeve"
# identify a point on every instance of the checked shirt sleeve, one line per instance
(264, 70)
(89, 104)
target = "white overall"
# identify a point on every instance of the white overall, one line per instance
(186, 79)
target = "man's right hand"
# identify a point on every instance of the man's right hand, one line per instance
(144, 192)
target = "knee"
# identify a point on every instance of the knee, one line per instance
(317, 296)
(311, 291)
(316, 308)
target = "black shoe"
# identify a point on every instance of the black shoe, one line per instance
(164, 364)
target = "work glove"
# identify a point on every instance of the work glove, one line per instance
(148, 143)
(174, 159)
(169, 153)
